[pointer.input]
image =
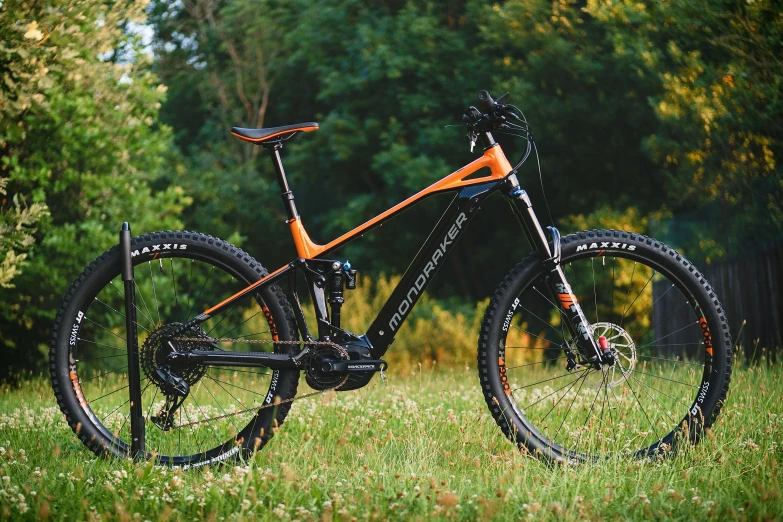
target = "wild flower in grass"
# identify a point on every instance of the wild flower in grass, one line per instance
(750, 445)
(279, 511)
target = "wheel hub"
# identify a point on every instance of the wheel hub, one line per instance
(620, 345)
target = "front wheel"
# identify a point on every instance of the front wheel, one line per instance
(663, 323)
(225, 412)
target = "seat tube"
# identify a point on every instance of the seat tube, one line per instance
(286, 194)
(564, 298)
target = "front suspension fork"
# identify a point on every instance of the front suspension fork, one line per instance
(563, 296)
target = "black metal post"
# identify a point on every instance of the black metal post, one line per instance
(131, 335)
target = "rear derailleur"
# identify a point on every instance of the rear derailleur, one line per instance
(176, 390)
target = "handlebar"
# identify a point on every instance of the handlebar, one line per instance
(495, 115)
(494, 112)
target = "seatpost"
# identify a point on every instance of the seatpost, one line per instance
(287, 195)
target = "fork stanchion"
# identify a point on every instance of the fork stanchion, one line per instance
(132, 338)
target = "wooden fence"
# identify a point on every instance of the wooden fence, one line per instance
(751, 291)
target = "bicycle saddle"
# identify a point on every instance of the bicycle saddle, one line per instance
(270, 133)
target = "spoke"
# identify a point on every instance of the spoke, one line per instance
(554, 392)
(195, 301)
(229, 417)
(102, 374)
(152, 402)
(628, 293)
(603, 406)
(190, 294)
(103, 419)
(243, 322)
(233, 386)
(545, 322)
(120, 313)
(205, 418)
(670, 360)
(232, 369)
(643, 388)
(122, 294)
(637, 296)
(649, 307)
(699, 343)
(652, 328)
(580, 378)
(533, 347)
(541, 382)
(124, 403)
(614, 265)
(197, 430)
(587, 418)
(669, 334)
(576, 291)
(124, 422)
(252, 334)
(146, 306)
(99, 358)
(531, 364)
(595, 292)
(174, 282)
(225, 316)
(665, 379)
(154, 292)
(569, 408)
(536, 336)
(107, 394)
(111, 392)
(556, 307)
(101, 344)
(562, 315)
(681, 400)
(104, 328)
(643, 410)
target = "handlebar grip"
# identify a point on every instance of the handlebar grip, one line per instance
(486, 99)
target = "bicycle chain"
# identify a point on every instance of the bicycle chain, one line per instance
(262, 341)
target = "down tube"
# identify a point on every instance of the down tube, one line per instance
(426, 263)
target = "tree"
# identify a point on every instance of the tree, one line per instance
(79, 134)
(718, 139)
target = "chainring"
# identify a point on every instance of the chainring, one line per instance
(317, 375)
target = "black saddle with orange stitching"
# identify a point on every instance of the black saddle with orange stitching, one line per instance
(273, 133)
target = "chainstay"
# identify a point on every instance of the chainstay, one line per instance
(274, 403)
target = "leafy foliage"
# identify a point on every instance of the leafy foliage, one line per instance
(79, 135)
(16, 234)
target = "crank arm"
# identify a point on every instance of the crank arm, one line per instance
(274, 361)
(368, 365)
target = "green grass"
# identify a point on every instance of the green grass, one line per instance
(418, 447)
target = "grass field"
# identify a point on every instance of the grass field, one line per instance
(419, 447)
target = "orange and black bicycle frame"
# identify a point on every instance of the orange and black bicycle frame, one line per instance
(471, 192)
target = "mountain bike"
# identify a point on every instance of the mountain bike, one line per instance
(600, 344)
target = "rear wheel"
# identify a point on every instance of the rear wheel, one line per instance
(178, 275)
(663, 323)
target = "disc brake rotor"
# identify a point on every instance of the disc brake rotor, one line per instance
(624, 350)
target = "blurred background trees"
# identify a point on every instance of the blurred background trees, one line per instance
(661, 117)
